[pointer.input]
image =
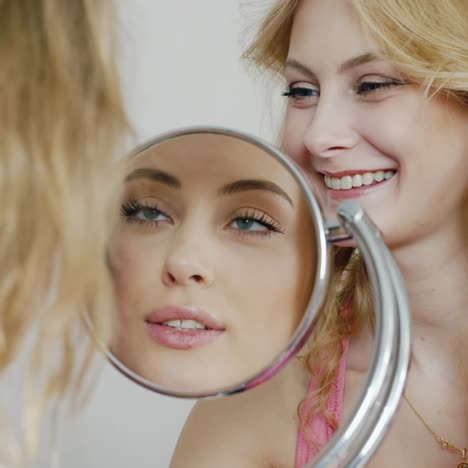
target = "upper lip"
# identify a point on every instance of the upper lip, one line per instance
(172, 312)
(340, 174)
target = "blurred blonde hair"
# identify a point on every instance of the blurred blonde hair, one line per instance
(428, 41)
(61, 120)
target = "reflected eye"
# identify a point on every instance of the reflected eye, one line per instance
(137, 212)
(249, 224)
(150, 214)
(255, 223)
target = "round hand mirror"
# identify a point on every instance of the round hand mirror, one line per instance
(220, 259)
(214, 262)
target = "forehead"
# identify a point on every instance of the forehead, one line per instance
(326, 32)
(211, 151)
(213, 160)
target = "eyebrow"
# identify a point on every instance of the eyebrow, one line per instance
(347, 65)
(234, 187)
(155, 175)
(255, 184)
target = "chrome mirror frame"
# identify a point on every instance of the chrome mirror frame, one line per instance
(321, 280)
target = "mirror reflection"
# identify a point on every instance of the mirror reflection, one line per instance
(213, 260)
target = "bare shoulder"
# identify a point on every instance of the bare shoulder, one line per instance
(243, 430)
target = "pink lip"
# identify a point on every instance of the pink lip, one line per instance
(175, 338)
(167, 313)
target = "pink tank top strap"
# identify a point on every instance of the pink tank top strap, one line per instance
(319, 428)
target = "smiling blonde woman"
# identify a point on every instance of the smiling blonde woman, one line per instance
(61, 119)
(377, 110)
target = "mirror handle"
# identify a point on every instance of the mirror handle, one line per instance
(356, 441)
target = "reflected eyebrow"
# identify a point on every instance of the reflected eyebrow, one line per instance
(155, 175)
(255, 184)
(347, 65)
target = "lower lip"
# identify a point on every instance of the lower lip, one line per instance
(355, 192)
(181, 339)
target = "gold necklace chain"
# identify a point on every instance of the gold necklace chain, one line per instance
(444, 443)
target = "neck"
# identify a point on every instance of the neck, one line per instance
(435, 271)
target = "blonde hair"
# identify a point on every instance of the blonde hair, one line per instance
(428, 41)
(61, 119)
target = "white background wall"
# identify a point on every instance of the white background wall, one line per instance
(180, 66)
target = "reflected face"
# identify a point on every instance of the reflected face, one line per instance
(213, 263)
(362, 130)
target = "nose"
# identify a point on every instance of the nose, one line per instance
(188, 264)
(330, 130)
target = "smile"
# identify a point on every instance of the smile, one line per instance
(357, 179)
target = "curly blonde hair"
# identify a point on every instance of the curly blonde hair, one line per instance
(61, 121)
(430, 48)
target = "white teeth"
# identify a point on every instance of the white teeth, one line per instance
(379, 176)
(185, 324)
(367, 178)
(357, 180)
(173, 323)
(336, 183)
(346, 182)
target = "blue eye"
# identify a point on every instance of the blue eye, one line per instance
(150, 214)
(135, 211)
(255, 223)
(249, 224)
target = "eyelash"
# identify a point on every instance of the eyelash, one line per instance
(130, 209)
(273, 227)
(299, 93)
(374, 86)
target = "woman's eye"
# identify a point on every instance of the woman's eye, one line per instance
(255, 224)
(136, 212)
(302, 93)
(366, 88)
(248, 224)
(150, 214)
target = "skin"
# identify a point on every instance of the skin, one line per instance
(199, 253)
(419, 211)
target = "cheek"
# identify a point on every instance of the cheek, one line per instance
(295, 126)
(260, 280)
(426, 138)
(132, 268)
(389, 129)
(283, 279)
(303, 261)
(294, 289)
